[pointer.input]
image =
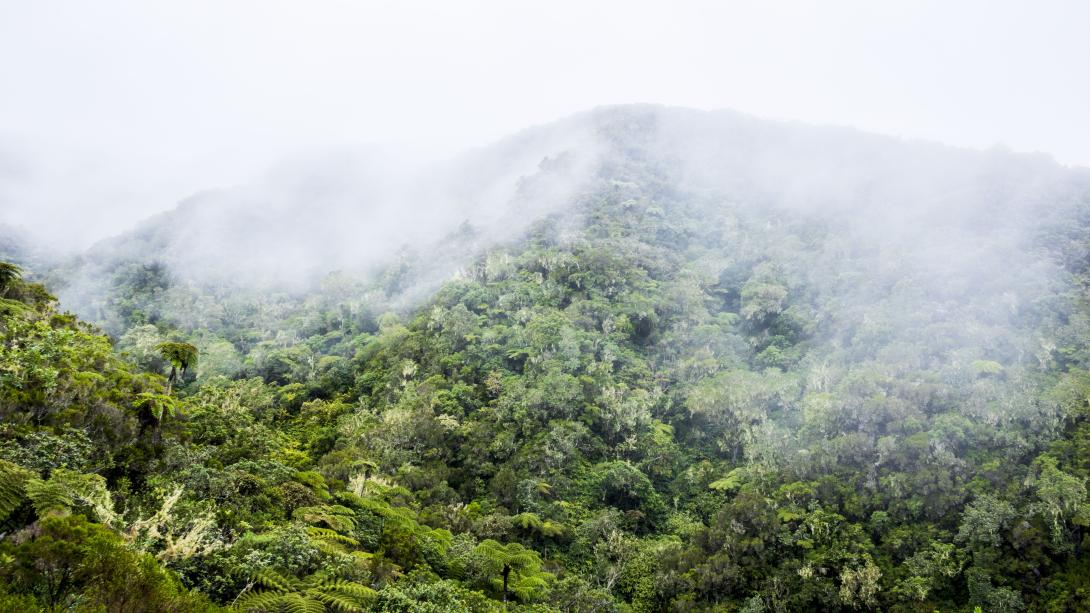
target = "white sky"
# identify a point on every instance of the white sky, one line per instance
(114, 110)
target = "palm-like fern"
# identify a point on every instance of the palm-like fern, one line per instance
(513, 559)
(335, 517)
(317, 593)
(157, 405)
(66, 489)
(9, 273)
(182, 357)
(13, 480)
(528, 522)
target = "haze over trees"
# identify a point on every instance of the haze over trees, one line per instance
(642, 359)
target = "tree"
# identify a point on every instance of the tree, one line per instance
(13, 480)
(1061, 498)
(69, 563)
(156, 405)
(509, 559)
(9, 273)
(859, 586)
(182, 357)
(66, 490)
(983, 520)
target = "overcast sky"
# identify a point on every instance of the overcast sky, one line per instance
(110, 111)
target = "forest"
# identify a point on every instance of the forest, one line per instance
(720, 364)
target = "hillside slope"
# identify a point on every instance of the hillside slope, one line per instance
(711, 363)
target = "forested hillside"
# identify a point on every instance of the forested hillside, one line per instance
(686, 362)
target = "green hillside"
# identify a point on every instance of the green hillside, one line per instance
(719, 365)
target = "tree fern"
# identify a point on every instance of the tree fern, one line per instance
(278, 602)
(512, 560)
(259, 601)
(526, 587)
(272, 580)
(13, 480)
(13, 307)
(9, 273)
(66, 489)
(549, 528)
(182, 357)
(49, 496)
(335, 517)
(349, 588)
(529, 522)
(318, 592)
(157, 405)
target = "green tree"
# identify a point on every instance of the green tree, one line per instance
(1061, 498)
(9, 273)
(182, 357)
(13, 481)
(70, 563)
(512, 559)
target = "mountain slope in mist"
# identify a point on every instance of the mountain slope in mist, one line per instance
(358, 210)
(642, 359)
(933, 206)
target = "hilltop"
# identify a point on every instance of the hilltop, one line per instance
(643, 358)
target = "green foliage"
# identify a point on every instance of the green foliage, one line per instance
(670, 399)
(69, 562)
(9, 274)
(336, 517)
(512, 569)
(316, 593)
(181, 356)
(157, 405)
(13, 482)
(66, 490)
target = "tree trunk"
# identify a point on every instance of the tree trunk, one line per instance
(506, 574)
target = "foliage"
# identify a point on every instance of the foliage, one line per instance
(274, 592)
(672, 398)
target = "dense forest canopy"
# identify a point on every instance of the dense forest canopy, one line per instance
(642, 359)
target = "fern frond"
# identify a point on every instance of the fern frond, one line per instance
(329, 548)
(13, 307)
(327, 534)
(67, 488)
(522, 559)
(349, 588)
(527, 521)
(526, 587)
(260, 602)
(298, 603)
(335, 601)
(551, 528)
(335, 517)
(13, 480)
(272, 580)
(48, 496)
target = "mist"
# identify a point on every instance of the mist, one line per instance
(944, 215)
(595, 307)
(115, 112)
